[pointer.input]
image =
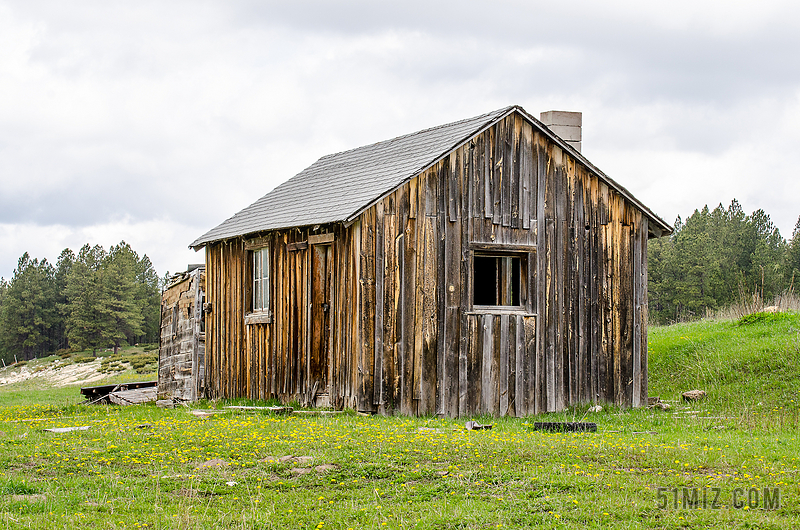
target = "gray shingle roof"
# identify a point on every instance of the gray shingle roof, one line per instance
(339, 185)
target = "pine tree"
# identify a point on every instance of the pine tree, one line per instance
(86, 325)
(793, 258)
(121, 308)
(28, 312)
(693, 267)
(149, 295)
(658, 260)
(63, 266)
(766, 261)
(4, 354)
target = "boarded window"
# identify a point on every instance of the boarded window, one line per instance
(261, 279)
(497, 280)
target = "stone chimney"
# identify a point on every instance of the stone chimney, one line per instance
(567, 125)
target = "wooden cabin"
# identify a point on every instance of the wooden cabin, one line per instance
(483, 266)
(181, 352)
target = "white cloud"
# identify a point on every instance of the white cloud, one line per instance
(153, 122)
(163, 241)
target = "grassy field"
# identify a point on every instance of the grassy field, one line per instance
(142, 467)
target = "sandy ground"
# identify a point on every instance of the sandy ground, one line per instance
(55, 373)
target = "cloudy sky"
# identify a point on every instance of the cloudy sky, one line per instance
(153, 121)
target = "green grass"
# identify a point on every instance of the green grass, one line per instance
(749, 368)
(140, 467)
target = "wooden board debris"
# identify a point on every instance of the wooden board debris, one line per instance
(274, 410)
(68, 429)
(133, 397)
(100, 393)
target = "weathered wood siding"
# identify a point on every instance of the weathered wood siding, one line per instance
(181, 352)
(274, 359)
(403, 333)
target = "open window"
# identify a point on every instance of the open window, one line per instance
(498, 279)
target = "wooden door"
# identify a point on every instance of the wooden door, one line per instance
(320, 309)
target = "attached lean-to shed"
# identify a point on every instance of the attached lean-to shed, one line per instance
(181, 353)
(483, 266)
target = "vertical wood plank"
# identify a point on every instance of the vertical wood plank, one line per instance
(494, 374)
(398, 361)
(503, 373)
(407, 305)
(390, 278)
(521, 369)
(643, 353)
(626, 310)
(453, 293)
(466, 388)
(380, 283)
(419, 300)
(413, 197)
(366, 315)
(515, 181)
(487, 356)
(526, 176)
(465, 177)
(488, 173)
(540, 353)
(497, 170)
(533, 379)
(452, 183)
(637, 312)
(429, 316)
(507, 169)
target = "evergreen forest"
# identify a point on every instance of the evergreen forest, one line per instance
(718, 258)
(94, 300)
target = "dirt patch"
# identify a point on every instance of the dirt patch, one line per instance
(186, 492)
(214, 462)
(35, 497)
(56, 374)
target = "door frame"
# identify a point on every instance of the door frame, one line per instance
(326, 240)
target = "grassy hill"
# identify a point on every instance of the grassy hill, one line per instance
(748, 367)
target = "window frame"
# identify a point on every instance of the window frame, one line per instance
(523, 278)
(260, 283)
(261, 279)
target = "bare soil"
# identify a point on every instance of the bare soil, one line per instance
(55, 373)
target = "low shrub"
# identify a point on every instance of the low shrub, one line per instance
(66, 352)
(140, 361)
(763, 317)
(83, 359)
